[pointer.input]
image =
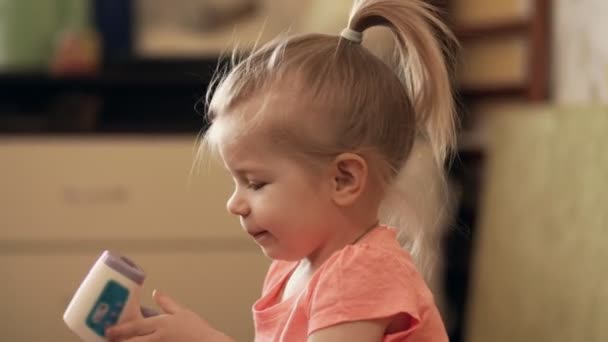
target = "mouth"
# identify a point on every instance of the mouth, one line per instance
(259, 235)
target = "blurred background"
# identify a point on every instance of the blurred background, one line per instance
(99, 111)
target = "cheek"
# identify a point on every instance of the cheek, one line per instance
(299, 205)
(269, 208)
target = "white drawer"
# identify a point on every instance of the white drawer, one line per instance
(91, 188)
(219, 285)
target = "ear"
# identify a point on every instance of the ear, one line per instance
(349, 172)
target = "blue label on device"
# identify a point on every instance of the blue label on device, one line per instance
(108, 307)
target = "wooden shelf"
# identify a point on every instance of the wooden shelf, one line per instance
(135, 97)
(494, 91)
(168, 74)
(535, 29)
(505, 28)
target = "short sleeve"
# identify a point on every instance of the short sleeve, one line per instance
(363, 283)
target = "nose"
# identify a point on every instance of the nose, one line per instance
(237, 205)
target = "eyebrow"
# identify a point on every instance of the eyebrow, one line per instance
(248, 170)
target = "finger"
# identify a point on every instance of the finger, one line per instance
(148, 312)
(131, 329)
(166, 303)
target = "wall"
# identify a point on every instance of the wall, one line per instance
(540, 257)
(580, 51)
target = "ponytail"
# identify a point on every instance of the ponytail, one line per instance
(422, 66)
(417, 200)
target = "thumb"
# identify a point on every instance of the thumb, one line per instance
(166, 303)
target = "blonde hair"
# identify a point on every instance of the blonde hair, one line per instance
(351, 101)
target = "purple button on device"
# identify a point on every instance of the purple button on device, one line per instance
(124, 266)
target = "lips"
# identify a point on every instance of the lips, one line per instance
(259, 235)
(256, 232)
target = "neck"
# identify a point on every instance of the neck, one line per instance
(352, 234)
(351, 224)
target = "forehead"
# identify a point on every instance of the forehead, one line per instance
(242, 148)
(247, 129)
(244, 151)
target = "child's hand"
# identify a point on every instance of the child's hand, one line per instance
(177, 324)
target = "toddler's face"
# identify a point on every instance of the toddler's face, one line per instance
(283, 205)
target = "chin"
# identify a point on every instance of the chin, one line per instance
(280, 254)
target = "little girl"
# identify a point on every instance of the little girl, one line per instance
(316, 132)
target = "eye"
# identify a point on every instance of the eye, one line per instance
(256, 185)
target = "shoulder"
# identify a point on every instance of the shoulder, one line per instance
(366, 281)
(375, 258)
(368, 267)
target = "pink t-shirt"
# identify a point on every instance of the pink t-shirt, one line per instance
(374, 278)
